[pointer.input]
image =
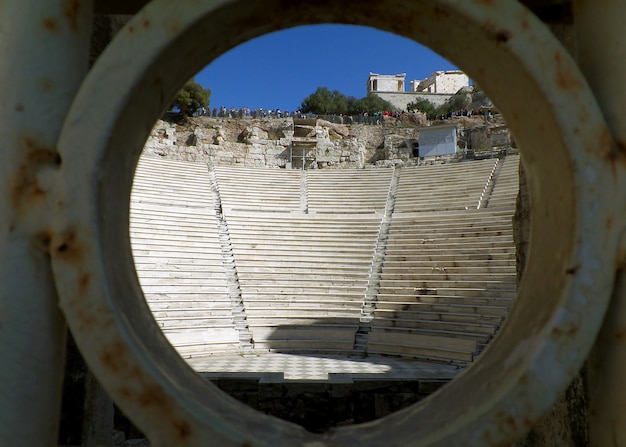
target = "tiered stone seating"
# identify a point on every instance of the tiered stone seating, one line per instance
(303, 277)
(448, 277)
(178, 256)
(506, 184)
(259, 189)
(454, 186)
(448, 272)
(348, 191)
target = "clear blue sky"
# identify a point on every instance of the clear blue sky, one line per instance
(279, 70)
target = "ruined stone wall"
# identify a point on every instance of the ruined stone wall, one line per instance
(401, 99)
(266, 142)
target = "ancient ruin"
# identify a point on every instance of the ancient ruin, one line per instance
(313, 143)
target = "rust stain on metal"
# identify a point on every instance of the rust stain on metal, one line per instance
(525, 24)
(150, 396)
(19, 107)
(113, 358)
(87, 320)
(50, 24)
(183, 429)
(620, 335)
(502, 36)
(42, 240)
(83, 283)
(24, 187)
(146, 23)
(569, 331)
(563, 77)
(69, 249)
(41, 156)
(613, 152)
(71, 9)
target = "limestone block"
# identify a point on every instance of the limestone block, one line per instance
(260, 156)
(256, 149)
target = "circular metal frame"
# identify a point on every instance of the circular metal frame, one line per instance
(561, 300)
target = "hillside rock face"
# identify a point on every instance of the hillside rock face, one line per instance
(271, 142)
(283, 142)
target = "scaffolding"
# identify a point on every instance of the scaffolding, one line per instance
(303, 146)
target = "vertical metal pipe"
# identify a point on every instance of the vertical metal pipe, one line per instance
(44, 49)
(606, 371)
(602, 58)
(601, 43)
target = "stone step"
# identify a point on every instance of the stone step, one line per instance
(454, 291)
(438, 297)
(490, 309)
(421, 345)
(452, 273)
(450, 326)
(402, 316)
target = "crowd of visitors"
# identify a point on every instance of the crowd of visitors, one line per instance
(362, 118)
(245, 112)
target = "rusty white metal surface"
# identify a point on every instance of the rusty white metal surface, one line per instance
(567, 150)
(602, 56)
(43, 58)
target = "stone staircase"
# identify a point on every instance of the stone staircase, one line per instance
(232, 278)
(371, 295)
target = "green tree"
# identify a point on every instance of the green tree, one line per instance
(460, 100)
(424, 106)
(371, 103)
(191, 98)
(324, 102)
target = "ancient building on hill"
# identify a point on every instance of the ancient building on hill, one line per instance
(385, 83)
(436, 88)
(449, 82)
